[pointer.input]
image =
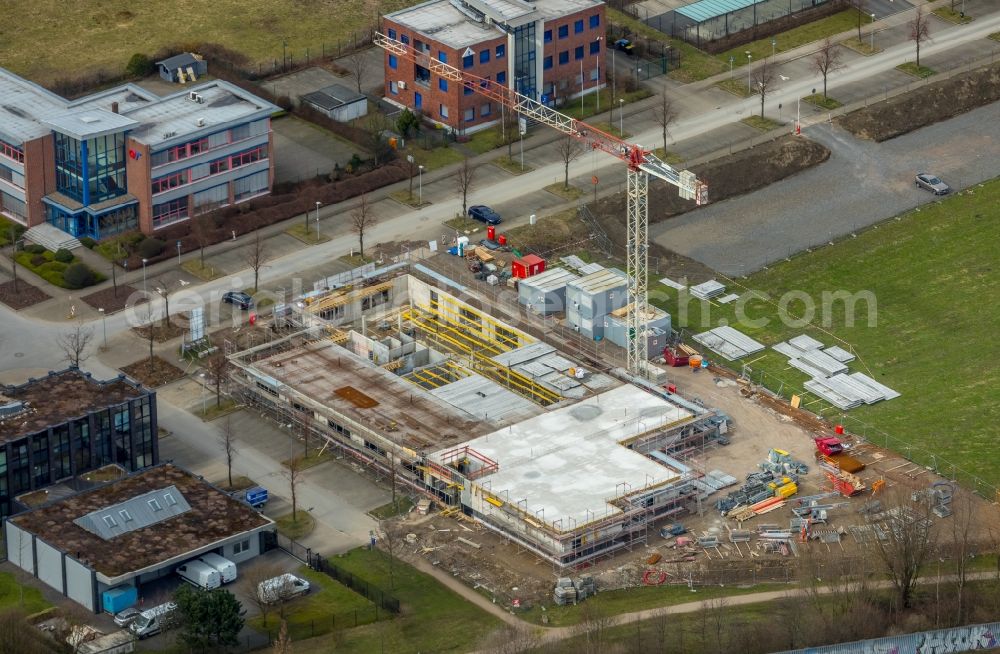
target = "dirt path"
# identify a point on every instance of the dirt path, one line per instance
(466, 592)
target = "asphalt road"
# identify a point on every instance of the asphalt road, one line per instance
(863, 183)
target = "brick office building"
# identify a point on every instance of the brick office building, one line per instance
(126, 159)
(549, 50)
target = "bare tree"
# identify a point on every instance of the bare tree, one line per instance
(228, 439)
(358, 64)
(252, 578)
(665, 115)
(909, 528)
(75, 343)
(200, 231)
(283, 643)
(255, 256)
(163, 289)
(19, 635)
(963, 517)
(150, 333)
(861, 7)
(764, 81)
(594, 626)
(463, 179)
(362, 219)
(377, 126)
(920, 29)
(827, 60)
(569, 150)
(510, 639)
(13, 254)
(389, 538)
(217, 371)
(293, 474)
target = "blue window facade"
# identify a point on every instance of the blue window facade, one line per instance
(418, 100)
(564, 57)
(392, 34)
(501, 51)
(524, 60)
(468, 61)
(393, 62)
(442, 84)
(578, 53)
(563, 31)
(548, 36)
(595, 47)
(484, 56)
(578, 26)
(467, 89)
(595, 21)
(547, 63)
(405, 39)
(90, 171)
(442, 56)
(502, 77)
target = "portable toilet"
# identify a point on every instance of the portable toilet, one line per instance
(119, 598)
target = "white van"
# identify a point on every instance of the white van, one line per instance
(281, 588)
(200, 575)
(226, 568)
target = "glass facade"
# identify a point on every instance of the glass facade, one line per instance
(524, 61)
(96, 226)
(124, 434)
(91, 171)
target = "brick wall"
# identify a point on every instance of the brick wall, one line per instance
(563, 79)
(138, 174)
(39, 176)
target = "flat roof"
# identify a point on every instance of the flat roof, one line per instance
(602, 280)
(333, 96)
(708, 9)
(177, 116)
(60, 396)
(486, 400)
(83, 124)
(213, 516)
(183, 59)
(402, 411)
(128, 97)
(550, 280)
(567, 463)
(24, 108)
(446, 23)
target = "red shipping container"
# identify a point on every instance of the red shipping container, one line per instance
(527, 266)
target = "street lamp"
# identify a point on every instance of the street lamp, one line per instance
(873, 32)
(105, 324)
(749, 60)
(731, 60)
(203, 398)
(284, 50)
(317, 220)
(621, 117)
(144, 276)
(420, 185)
(581, 86)
(600, 53)
(178, 253)
(774, 45)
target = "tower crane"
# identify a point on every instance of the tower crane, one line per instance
(640, 162)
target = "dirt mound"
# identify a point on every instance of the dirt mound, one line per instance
(728, 176)
(924, 106)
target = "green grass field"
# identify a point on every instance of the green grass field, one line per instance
(79, 36)
(793, 38)
(934, 274)
(434, 619)
(13, 595)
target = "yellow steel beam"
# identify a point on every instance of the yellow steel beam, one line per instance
(455, 317)
(524, 338)
(442, 322)
(331, 301)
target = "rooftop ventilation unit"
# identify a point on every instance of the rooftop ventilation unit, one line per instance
(200, 122)
(11, 408)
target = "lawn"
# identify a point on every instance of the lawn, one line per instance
(205, 273)
(433, 619)
(594, 103)
(823, 102)
(434, 158)
(949, 14)
(329, 605)
(403, 505)
(932, 274)
(512, 166)
(121, 27)
(307, 234)
(5, 227)
(46, 266)
(762, 123)
(565, 192)
(295, 529)
(14, 595)
(910, 68)
(795, 37)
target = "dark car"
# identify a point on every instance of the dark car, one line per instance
(933, 184)
(238, 299)
(624, 45)
(484, 214)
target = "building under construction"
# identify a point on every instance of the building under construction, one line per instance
(412, 381)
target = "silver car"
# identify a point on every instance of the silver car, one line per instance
(933, 184)
(125, 617)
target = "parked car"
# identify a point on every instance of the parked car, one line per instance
(238, 299)
(226, 568)
(625, 45)
(200, 575)
(282, 587)
(127, 616)
(484, 214)
(152, 621)
(933, 184)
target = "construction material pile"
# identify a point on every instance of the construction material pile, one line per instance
(708, 290)
(766, 490)
(730, 343)
(571, 591)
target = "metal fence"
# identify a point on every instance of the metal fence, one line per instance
(380, 597)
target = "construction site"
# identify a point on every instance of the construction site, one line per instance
(569, 462)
